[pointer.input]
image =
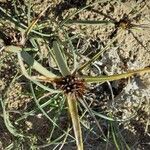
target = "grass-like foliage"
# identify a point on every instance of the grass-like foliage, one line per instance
(66, 80)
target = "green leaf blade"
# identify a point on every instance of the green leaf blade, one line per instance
(60, 60)
(115, 77)
(37, 66)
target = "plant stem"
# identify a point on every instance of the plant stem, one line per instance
(73, 110)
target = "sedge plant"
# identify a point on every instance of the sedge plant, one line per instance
(72, 83)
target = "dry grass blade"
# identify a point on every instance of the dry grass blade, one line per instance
(88, 63)
(138, 40)
(78, 11)
(13, 49)
(28, 30)
(73, 110)
(116, 77)
(89, 22)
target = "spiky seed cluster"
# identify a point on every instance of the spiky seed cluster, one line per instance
(124, 23)
(71, 84)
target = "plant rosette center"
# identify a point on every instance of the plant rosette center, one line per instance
(71, 84)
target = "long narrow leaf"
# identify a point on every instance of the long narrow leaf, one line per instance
(72, 49)
(80, 10)
(28, 30)
(33, 79)
(115, 77)
(85, 105)
(7, 122)
(86, 64)
(43, 111)
(34, 110)
(30, 61)
(89, 22)
(13, 49)
(73, 110)
(114, 137)
(60, 60)
(19, 24)
(37, 66)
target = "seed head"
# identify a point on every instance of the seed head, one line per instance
(71, 84)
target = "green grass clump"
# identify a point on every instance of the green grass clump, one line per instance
(61, 88)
